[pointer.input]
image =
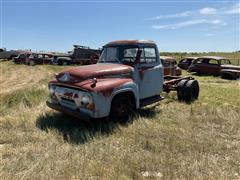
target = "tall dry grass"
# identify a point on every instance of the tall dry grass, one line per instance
(170, 140)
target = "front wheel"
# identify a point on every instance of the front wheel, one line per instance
(121, 109)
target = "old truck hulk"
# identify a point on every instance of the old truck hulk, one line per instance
(128, 76)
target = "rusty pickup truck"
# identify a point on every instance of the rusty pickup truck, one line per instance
(129, 75)
(217, 66)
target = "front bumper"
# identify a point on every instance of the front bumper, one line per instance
(78, 114)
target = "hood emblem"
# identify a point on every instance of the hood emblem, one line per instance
(65, 77)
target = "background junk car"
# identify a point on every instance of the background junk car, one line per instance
(217, 66)
(170, 66)
(39, 58)
(84, 55)
(7, 55)
(128, 76)
(186, 62)
(21, 58)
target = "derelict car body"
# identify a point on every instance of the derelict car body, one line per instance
(129, 68)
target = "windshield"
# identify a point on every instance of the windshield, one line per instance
(109, 54)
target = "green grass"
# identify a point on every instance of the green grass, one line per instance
(176, 140)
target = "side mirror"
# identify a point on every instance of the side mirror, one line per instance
(1, 50)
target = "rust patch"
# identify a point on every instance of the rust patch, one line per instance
(103, 86)
(131, 42)
(95, 71)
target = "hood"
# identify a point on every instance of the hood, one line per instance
(81, 73)
(230, 67)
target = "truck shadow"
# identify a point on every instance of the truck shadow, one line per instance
(77, 131)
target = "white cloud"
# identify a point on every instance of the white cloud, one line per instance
(186, 24)
(208, 11)
(168, 16)
(210, 34)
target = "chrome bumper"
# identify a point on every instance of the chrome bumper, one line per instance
(78, 114)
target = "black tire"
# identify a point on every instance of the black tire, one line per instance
(121, 109)
(180, 89)
(32, 63)
(199, 73)
(60, 63)
(191, 91)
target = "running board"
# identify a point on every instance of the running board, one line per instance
(150, 100)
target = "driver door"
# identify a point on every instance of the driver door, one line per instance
(150, 73)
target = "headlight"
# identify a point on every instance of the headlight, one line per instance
(51, 89)
(85, 100)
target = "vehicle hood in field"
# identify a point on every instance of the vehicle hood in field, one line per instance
(230, 67)
(82, 73)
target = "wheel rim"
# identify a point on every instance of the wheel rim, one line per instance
(122, 111)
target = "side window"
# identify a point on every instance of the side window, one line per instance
(165, 63)
(199, 61)
(40, 56)
(184, 61)
(225, 61)
(150, 55)
(213, 62)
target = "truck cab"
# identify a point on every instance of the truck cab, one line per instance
(129, 75)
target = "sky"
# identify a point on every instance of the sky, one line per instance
(176, 26)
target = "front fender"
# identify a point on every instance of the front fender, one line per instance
(103, 101)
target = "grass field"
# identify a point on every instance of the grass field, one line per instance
(170, 140)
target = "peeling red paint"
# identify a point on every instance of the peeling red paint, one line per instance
(104, 86)
(95, 71)
(132, 42)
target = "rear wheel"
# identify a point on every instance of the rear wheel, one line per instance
(199, 73)
(60, 62)
(180, 89)
(191, 91)
(31, 63)
(121, 109)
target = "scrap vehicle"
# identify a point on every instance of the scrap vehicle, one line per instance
(186, 62)
(170, 66)
(80, 55)
(63, 59)
(39, 58)
(84, 55)
(128, 76)
(21, 58)
(7, 55)
(217, 66)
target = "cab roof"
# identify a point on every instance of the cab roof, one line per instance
(130, 42)
(191, 57)
(212, 57)
(167, 58)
